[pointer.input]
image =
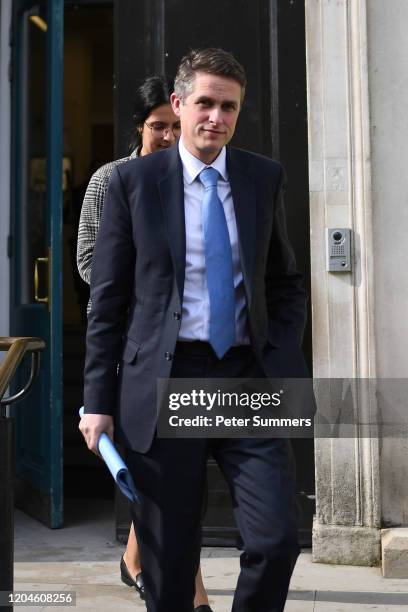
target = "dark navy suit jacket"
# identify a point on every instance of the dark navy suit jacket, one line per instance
(138, 278)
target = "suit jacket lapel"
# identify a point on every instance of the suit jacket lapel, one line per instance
(244, 197)
(171, 189)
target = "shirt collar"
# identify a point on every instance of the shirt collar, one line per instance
(192, 166)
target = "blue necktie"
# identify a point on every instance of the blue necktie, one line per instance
(218, 261)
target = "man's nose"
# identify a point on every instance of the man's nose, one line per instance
(215, 115)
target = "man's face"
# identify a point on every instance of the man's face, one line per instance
(208, 115)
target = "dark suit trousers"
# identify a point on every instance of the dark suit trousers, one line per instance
(171, 480)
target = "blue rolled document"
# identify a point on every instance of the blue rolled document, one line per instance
(116, 465)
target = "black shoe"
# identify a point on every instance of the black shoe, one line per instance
(204, 608)
(136, 582)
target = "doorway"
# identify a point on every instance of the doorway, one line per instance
(109, 47)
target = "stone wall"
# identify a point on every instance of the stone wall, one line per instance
(388, 91)
(347, 520)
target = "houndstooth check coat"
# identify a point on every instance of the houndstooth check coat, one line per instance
(91, 213)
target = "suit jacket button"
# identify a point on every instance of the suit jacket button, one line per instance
(177, 316)
(168, 356)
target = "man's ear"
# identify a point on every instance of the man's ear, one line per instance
(175, 104)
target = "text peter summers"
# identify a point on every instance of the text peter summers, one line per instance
(221, 421)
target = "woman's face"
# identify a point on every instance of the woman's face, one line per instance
(160, 130)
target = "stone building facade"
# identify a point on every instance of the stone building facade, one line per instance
(358, 146)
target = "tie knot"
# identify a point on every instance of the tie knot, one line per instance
(209, 177)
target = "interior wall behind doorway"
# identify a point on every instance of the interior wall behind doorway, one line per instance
(88, 128)
(88, 144)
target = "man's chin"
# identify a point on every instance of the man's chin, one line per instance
(213, 146)
(205, 150)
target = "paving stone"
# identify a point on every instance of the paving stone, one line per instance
(394, 545)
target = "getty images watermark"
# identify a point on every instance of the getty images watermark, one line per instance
(222, 400)
(230, 408)
(288, 408)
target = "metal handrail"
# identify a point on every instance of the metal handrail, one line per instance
(16, 349)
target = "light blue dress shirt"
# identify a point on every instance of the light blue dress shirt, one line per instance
(196, 306)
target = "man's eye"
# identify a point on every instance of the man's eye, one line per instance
(177, 126)
(204, 104)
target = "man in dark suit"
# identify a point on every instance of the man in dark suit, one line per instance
(194, 277)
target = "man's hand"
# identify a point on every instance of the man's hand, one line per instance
(92, 426)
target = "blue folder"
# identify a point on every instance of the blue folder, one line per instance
(116, 465)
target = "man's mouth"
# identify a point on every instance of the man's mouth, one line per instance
(211, 131)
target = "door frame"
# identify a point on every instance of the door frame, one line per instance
(41, 496)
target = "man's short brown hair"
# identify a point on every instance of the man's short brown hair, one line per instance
(211, 61)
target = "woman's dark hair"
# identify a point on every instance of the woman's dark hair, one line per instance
(152, 93)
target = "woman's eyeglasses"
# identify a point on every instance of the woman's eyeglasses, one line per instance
(161, 129)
